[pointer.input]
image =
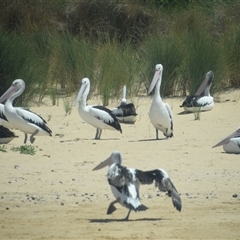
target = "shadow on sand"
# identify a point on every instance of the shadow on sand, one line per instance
(107, 220)
(148, 140)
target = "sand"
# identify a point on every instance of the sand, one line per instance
(55, 194)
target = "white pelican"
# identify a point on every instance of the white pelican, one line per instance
(97, 116)
(125, 112)
(201, 100)
(21, 119)
(160, 113)
(125, 183)
(231, 143)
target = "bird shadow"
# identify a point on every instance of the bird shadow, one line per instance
(184, 113)
(148, 140)
(89, 139)
(107, 220)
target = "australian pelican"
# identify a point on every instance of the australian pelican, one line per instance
(125, 183)
(201, 100)
(125, 112)
(231, 143)
(22, 119)
(160, 113)
(97, 116)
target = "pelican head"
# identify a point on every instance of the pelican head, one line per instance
(156, 77)
(17, 85)
(84, 90)
(206, 84)
(227, 139)
(114, 158)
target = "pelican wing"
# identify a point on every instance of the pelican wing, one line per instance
(3, 116)
(125, 110)
(201, 101)
(106, 116)
(163, 182)
(33, 118)
(188, 102)
(6, 133)
(170, 114)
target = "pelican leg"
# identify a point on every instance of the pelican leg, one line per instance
(100, 132)
(128, 214)
(25, 138)
(32, 138)
(157, 134)
(111, 207)
(97, 133)
(166, 137)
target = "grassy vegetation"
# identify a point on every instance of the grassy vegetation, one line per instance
(24, 149)
(53, 45)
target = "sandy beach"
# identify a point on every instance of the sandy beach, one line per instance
(54, 194)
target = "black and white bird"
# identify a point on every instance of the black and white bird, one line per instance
(160, 113)
(125, 112)
(231, 143)
(125, 183)
(99, 117)
(201, 100)
(22, 119)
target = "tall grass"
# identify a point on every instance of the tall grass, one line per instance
(202, 54)
(117, 43)
(115, 67)
(165, 50)
(72, 59)
(231, 51)
(18, 60)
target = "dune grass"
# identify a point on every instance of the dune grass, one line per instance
(53, 53)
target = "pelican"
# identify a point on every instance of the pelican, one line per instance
(160, 113)
(6, 135)
(21, 119)
(231, 143)
(125, 112)
(201, 100)
(125, 183)
(97, 116)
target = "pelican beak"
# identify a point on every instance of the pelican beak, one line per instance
(80, 93)
(206, 82)
(227, 139)
(154, 80)
(103, 164)
(5, 96)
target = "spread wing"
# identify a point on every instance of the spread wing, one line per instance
(163, 182)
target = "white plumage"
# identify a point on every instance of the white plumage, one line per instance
(97, 116)
(21, 119)
(160, 113)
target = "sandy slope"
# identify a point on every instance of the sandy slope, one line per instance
(55, 193)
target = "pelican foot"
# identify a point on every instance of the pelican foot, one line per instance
(111, 208)
(32, 138)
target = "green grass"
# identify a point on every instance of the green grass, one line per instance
(3, 148)
(24, 149)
